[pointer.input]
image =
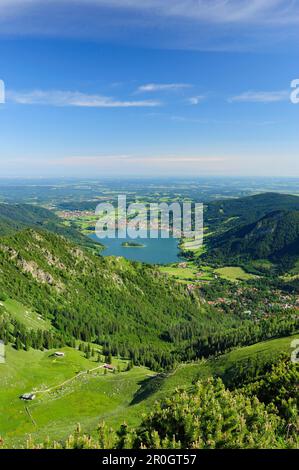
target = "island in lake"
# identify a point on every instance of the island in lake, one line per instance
(132, 245)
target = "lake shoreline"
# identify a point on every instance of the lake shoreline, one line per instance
(156, 251)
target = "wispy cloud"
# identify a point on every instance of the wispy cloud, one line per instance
(86, 160)
(179, 24)
(187, 120)
(152, 87)
(195, 100)
(218, 11)
(260, 97)
(74, 98)
(158, 160)
(212, 11)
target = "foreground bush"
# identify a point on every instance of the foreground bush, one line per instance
(209, 417)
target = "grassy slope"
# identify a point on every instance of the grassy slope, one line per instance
(96, 396)
(234, 273)
(186, 374)
(24, 315)
(86, 399)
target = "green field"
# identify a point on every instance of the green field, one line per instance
(234, 273)
(94, 396)
(293, 274)
(87, 399)
(187, 274)
(196, 274)
(26, 316)
(195, 246)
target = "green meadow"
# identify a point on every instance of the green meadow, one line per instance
(68, 390)
(187, 274)
(87, 397)
(25, 315)
(186, 374)
(234, 273)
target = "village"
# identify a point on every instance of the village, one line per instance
(249, 300)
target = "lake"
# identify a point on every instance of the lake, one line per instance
(154, 251)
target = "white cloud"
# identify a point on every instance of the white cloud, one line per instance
(75, 98)
(151, 87)
(184, 119)
(260, 97)
(218, 11)
(211, 11)
(179, 24)
(195, 100)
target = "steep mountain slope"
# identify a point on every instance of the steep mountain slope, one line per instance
(225, 214)
(274, 236)
(15, 217)
(127, 307)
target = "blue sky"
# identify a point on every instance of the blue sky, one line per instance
(126, 88)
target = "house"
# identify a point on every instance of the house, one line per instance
(183, 265)
(27, 396)
(59, 354)
(190, 287)
(108, 367)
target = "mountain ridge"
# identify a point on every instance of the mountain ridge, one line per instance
(224, 214)
(16, 217)
(275, 236)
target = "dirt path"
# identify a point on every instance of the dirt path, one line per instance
(30, 415)
(68, 380)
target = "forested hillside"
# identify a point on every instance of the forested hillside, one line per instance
(15, 217)
(129, 308)
(227, 213)
(274, 237)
